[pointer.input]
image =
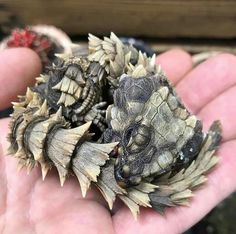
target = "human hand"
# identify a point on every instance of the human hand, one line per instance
(29, 205)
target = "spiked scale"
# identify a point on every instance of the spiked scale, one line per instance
(145, 148)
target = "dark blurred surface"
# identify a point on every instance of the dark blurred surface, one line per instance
(153, 18)
(221, 220)
(5, 113)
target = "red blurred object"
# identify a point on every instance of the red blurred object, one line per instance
(30, 39)
(45, 40)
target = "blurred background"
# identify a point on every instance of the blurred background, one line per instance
(197, 26)
(203, 28)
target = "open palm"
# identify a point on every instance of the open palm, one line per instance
(30, 205)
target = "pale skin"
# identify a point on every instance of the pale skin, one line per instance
(30, 205)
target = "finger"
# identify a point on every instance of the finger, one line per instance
(220, 184)
(3, 186)
(207, 81)
(4, 123)
(18, 69)
(222, 108)
(175, 63)
(70, 214)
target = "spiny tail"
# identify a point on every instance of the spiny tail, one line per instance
(117, 58)
(38, 137)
